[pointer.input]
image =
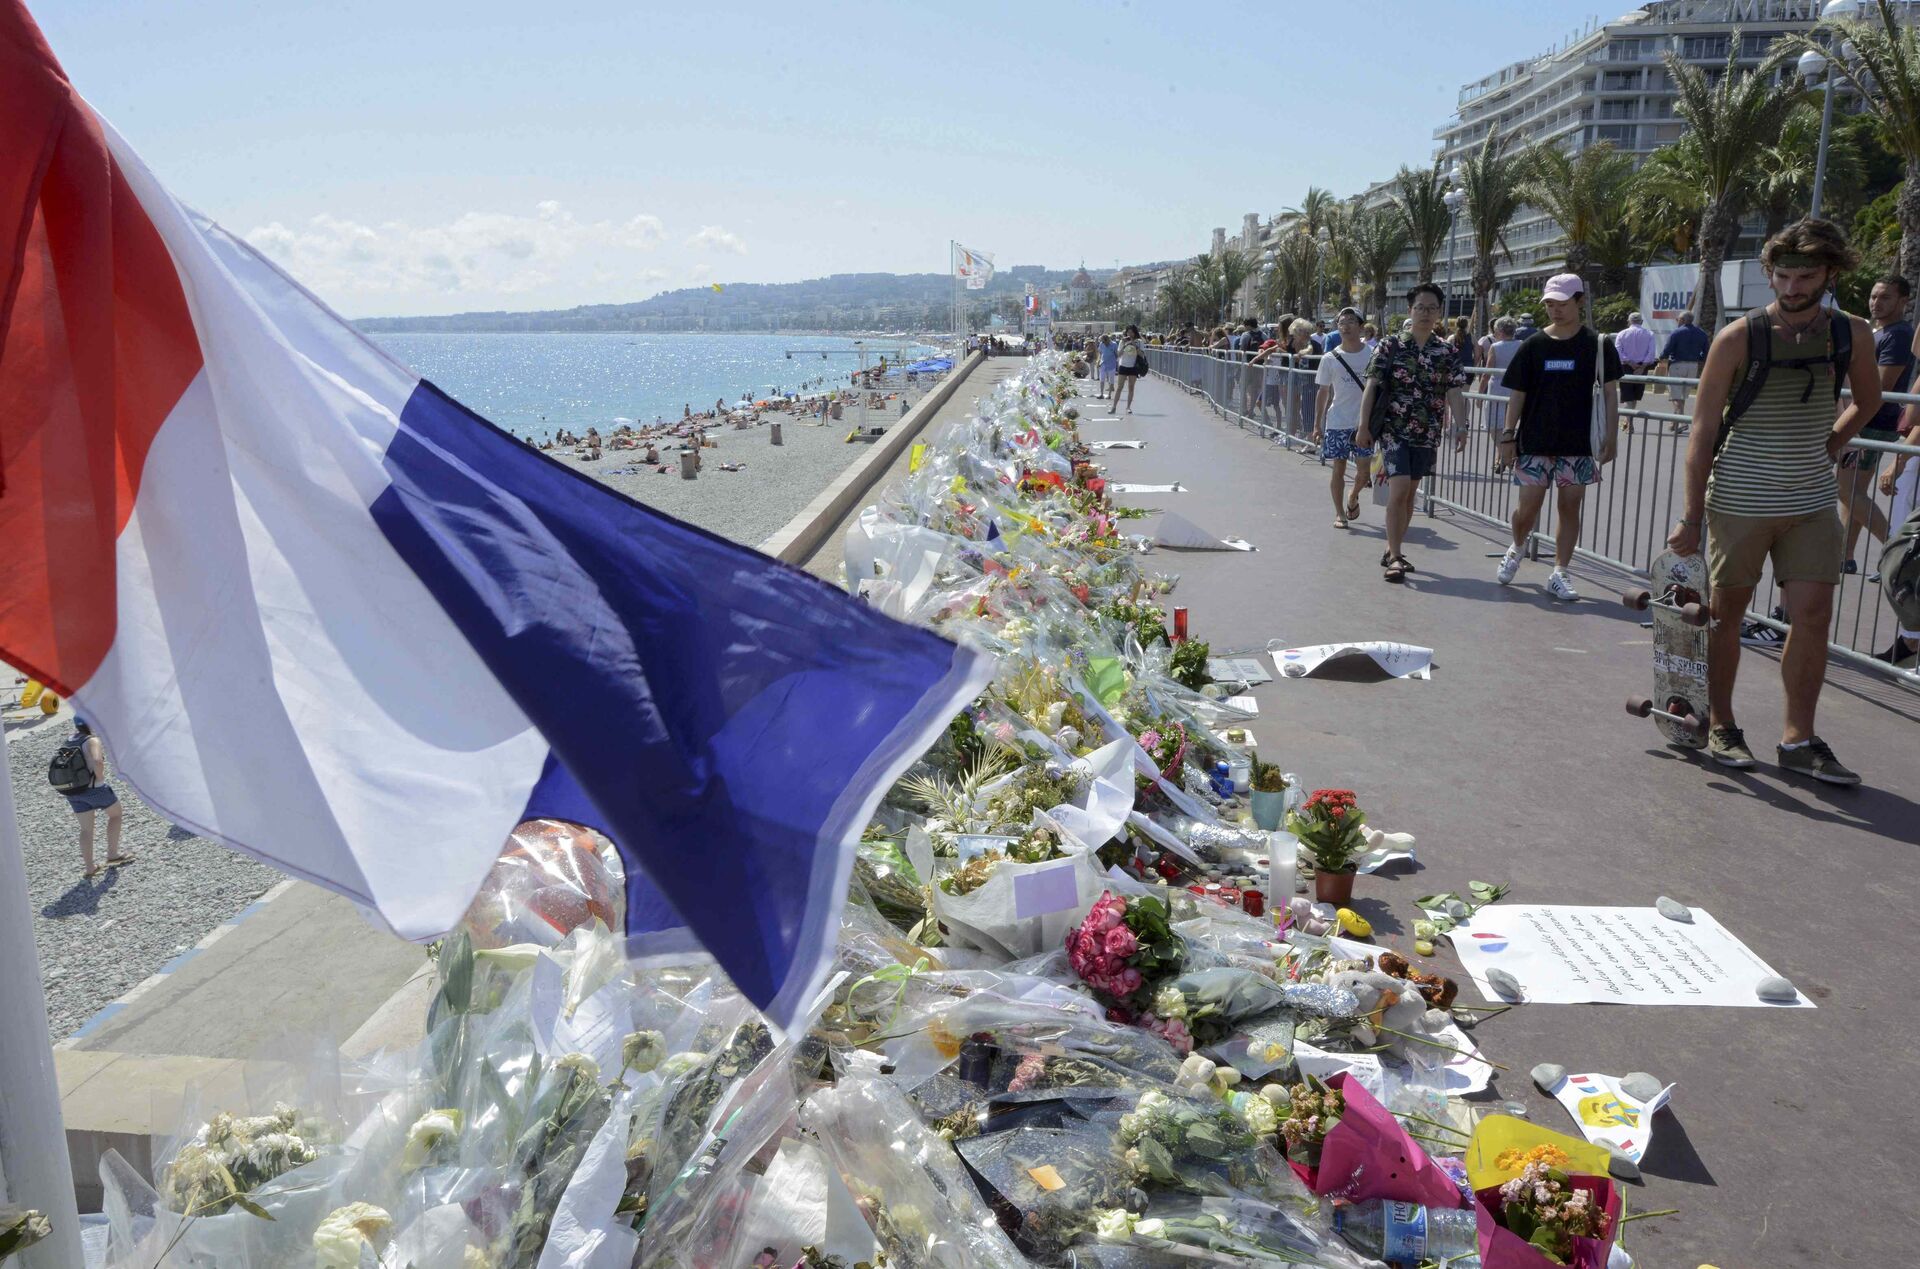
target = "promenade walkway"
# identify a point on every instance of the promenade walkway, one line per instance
(1517, 764)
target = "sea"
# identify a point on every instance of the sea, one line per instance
(535, 383)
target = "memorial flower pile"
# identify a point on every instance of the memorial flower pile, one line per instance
(1043, 1036)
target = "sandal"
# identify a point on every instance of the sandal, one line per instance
(1339, 522)
(93, 872)
(1396, 571)
(1353, 508)
(1406, 565)
(1386, 558)
(114, 861)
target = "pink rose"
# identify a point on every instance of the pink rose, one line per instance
(1174, 1031)
(1121, 942)
(1127, 981)
(1109, 911)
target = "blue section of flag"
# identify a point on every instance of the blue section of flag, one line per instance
(727, 720)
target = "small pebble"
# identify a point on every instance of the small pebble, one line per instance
(1673, 909)
(1621, 1166)
(1776, 989)
(1423, 947)
(1547, 1076)
(1640, 1086)
(1504, 983)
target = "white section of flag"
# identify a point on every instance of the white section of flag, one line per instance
(280, 679)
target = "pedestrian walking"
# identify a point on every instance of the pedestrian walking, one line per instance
(1760, 481)
(1109, 363)
(1893, 355)
(1499, 356)
(1416, 380)
(1549, 441)
(1638, 350)
(1130, 365)
(1341, 380)
(1900, 482)
(1681, 358)
(79, 771)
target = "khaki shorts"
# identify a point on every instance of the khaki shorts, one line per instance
(1804, 548)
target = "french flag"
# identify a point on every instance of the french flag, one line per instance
(323, 613)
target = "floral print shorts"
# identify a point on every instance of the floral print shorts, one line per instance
(1338, 443)
(1545, 469)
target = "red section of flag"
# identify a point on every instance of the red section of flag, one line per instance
(96, 347)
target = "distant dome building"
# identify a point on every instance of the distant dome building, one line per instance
(1079, 288)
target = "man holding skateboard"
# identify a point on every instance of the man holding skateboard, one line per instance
(1760, 481)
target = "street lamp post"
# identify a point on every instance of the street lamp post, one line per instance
(1454, 197)
(1813, 66)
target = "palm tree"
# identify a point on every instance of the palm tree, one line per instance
(1219, 278)
(1314, 210)
(1494, 180)
(1583, 193)
(1668, 197)
(1731, 117)
(1343, 255)
(1378, 237)
(1885, 71)
(1296, 265)
(1784, 168)
(1420, 196)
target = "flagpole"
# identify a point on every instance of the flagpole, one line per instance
(34, 1169)
(953, 280)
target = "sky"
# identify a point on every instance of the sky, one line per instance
(427, 156)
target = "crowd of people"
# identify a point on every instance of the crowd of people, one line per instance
(1770, 473)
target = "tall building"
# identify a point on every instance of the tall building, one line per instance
(1607, 83)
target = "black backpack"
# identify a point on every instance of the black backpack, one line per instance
(68, 771)
(1760, 364)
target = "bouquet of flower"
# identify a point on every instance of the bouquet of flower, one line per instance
(1346, 1145)
(1124, 950)
(1167, 745)
(1196, 1144)
(1545, 1216)
(1328, 825)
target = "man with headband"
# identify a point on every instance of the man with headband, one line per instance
(1760, 481)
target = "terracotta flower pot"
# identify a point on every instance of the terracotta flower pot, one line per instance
(1269, 808)
(1333, 887)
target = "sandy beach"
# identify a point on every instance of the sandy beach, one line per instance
(773, 484)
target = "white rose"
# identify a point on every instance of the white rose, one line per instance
(428, 1134)
(1150, 1228)
(1170, 1002)
(1056, 712)
(1152, 1099)
(338, 1239)
(1260, 1116)
(1115, 1225)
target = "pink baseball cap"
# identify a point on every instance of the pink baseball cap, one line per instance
(1563, 286)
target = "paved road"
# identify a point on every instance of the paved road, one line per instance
(1517, 764)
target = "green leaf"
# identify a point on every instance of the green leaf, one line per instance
(1107, 679)
(251, 1208)
(1434, 900)
(456, 972)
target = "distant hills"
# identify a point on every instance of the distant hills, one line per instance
(844, 301)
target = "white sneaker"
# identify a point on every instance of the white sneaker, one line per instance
(1559, 587)
(1509, 565)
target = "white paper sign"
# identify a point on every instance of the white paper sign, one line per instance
(1607, 1115)
(1565, 954)
(1364, 1067)
(1175, 487)
(1182, 534)
(1402, 660)
(1117, 445)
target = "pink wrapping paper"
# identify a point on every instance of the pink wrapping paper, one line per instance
(1501, 1248)
(1368, 1155)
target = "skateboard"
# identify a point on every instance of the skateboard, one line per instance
(1678, 601)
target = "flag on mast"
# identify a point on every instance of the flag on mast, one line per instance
(325, 614)
(973, 267)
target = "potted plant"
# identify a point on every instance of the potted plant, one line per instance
(1269, 794)
(1328, 826)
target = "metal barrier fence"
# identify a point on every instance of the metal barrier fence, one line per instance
(1627, 517)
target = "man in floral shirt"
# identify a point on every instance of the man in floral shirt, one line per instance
(1422, 376)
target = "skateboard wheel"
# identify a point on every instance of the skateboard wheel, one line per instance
(1694, 615)
(1637, 599)
(1639, 706)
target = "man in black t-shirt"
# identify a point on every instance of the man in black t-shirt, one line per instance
(1893, 355)
(1550, 426)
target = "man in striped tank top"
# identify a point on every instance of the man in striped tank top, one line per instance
(1761, 482)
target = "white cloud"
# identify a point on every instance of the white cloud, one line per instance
(700, 273)
(714, 238)
(475, 253)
